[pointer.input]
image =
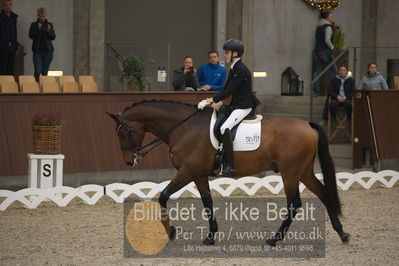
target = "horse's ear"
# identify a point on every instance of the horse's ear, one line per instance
(114, 117)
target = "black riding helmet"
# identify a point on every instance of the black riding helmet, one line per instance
(234, 45)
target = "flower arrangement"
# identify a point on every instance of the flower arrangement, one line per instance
(47, 119)
(46, 129)
(338, 37)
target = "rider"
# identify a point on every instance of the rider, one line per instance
(239, 86)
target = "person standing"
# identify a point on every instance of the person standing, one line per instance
(211, 76)
(322, 54)
(8, 38)
(372, 80)
(42, 33)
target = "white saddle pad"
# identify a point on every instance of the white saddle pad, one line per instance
(247, 137)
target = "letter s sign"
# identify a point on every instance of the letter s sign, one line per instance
(47, 170)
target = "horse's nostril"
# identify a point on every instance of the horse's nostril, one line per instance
(129, 163)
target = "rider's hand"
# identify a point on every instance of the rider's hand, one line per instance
(202, 104)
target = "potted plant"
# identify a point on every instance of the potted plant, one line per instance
(47, 133)
(133, 73)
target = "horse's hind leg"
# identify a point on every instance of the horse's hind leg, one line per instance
(179, 181)
(314, 185)
(291, 187)
(203, 188)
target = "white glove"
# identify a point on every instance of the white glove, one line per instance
(202, 104)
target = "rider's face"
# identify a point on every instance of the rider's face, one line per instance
(227, 56)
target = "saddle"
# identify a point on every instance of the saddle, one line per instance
(221, 116)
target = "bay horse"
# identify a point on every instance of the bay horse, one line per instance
(288, 145)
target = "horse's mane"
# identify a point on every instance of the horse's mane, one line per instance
(157, 101)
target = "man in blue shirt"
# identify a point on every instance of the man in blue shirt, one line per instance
(211, 76)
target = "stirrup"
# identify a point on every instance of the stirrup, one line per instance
(217, 166)
(216, 172)
(228, 171)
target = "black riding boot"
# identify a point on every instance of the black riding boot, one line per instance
(228, 154)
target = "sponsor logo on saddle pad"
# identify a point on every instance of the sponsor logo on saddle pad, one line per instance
(254, 139)
(247, 137)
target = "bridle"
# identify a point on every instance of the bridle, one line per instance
(129, 131)
(137, 150)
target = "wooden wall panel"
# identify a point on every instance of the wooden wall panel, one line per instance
(5, 162)
(88, 142)
(385, 107)
(385, 112)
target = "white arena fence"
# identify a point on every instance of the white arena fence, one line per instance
(90, 194)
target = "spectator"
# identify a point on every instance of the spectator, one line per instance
(341, 91)
(211, 76)
(8, 38)
(42, 33)
(372, 80)
(184, 78)
(322, 54)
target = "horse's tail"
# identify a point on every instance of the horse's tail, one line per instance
(327, 167)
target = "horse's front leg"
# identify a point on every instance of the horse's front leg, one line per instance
(179, 181)
(203, 187)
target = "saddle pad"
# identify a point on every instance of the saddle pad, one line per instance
(247, 137)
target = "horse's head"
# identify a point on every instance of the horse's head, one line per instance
(130, 135)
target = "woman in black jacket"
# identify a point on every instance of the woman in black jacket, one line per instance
(42, 33)
(341, 91)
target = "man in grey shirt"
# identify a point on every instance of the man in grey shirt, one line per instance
(372, 80)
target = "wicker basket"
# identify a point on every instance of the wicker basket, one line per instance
(47, 139)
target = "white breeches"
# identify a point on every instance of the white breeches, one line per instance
(235, 117)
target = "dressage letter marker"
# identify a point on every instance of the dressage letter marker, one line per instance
(45, 171)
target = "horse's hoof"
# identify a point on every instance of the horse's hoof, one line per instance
(271, 242)
(345, 238)
(172, 233)
(208, 241)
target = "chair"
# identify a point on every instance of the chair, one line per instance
(8, 84)
(28, 84)
(341, 124)
(9, 87)
(89, 86)
(83, 79)
(70, 87)
(44, 79)
(396, 82)
(50, 87)
(4, 79)
(64, 79)
(30, 87)
(26, 78)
